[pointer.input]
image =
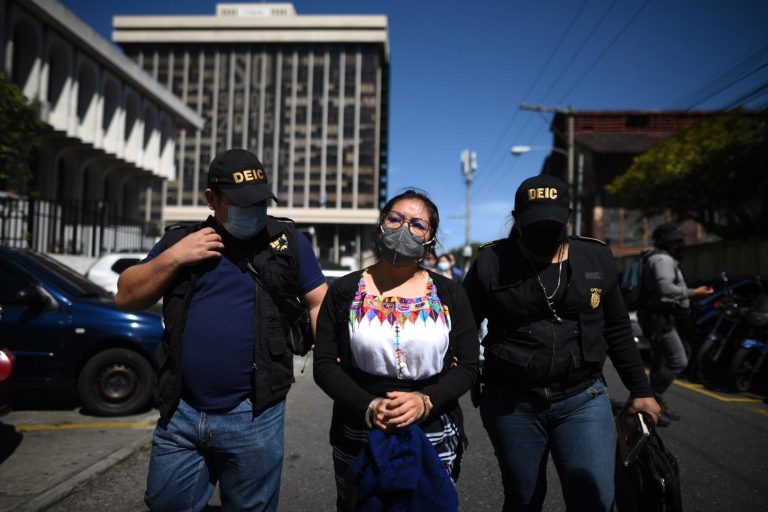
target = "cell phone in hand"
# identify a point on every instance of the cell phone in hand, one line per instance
(633, 433)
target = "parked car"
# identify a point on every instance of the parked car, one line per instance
(66, 332)
(332, 274)
(7, 364)
(107, 269)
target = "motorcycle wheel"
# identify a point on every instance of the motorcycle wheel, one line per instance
(743, 371)
(703, 363)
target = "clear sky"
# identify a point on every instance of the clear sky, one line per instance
(460, 69)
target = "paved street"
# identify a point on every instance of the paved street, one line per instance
(721, 444)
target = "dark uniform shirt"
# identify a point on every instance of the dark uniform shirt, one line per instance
(525, 347)
(218, 338)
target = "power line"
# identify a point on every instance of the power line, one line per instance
(753, 54)
(487, 185)
(729, 85)
(595, 27)
(605, 50)
(548, 61)
(584, 43)
(745, 98)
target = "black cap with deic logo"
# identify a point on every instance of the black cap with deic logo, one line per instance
(240, 176)
(542, 198)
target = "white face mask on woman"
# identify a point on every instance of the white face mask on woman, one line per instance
(443, 266)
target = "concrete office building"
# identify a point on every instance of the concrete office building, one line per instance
(307, 94)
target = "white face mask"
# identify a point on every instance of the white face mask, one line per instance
(443, 265)
(245, 222)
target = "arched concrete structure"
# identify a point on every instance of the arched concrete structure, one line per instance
(110, 126)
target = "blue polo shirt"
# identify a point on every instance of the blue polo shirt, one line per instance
(217, 342)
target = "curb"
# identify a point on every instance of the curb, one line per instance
(60, 491)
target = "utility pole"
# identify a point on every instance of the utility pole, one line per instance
(568, 112)
(468, 169)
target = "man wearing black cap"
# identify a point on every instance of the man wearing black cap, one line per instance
(224, 365)
(554, 312)
(666, 296)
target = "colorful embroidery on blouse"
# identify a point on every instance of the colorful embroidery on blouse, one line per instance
(398, 310)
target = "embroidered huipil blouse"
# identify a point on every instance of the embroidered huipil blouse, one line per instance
(404, 338)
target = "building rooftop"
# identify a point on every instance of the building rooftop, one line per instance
(252, 23)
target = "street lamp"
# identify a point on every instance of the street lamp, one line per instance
(575, 201)
(520, 150)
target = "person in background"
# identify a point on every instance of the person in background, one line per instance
(224, 364)
(430, 260)
(457, 272)
(444, 267)
(554, 311)
(665, 298)
(396, 344)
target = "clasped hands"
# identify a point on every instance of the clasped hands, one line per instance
(398, 409)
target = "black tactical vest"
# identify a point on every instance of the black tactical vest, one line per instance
(519, 319)
(275, 256)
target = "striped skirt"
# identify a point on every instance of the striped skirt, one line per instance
(442, 432)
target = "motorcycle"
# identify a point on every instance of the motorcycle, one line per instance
(720, 317)
(747, 361)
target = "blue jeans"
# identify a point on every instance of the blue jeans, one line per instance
(669, 357)
(196, 449)
(579, 433)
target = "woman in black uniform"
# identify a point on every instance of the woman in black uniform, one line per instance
(554, 311)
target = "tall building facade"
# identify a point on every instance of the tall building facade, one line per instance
(308, 94)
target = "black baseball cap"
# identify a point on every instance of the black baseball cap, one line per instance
(542, 198)
(668, 232)
(240, 176)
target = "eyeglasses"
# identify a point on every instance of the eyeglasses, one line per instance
(417, 226)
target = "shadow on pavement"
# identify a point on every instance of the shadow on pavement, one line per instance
(38, 400)
(9, 440)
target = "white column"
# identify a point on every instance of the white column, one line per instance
(215, 113)
(231, 97)
(247, 101)
(182, 145)
(340, 138)
(377, 142)
(308, 126)
(324, 128)
(169, 80)
(292, 140)
(155, 64)
(262, 101)
(198, 133)
(148, 202)
(276, 138)
(356, 158)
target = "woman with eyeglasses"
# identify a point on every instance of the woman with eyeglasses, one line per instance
(396, 346)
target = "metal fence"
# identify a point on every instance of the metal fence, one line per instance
(88, 228)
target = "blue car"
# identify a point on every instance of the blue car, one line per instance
(66, 332)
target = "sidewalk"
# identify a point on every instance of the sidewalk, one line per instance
(51, 452)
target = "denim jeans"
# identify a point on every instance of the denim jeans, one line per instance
(196, 449)
(579, 433)
(669, 357)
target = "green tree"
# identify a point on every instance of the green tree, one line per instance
(20, 128)
(706, 172)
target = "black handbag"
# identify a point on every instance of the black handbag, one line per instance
(299, 332)
(652, 482)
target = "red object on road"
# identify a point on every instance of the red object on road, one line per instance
(7, 364)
